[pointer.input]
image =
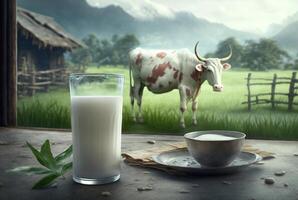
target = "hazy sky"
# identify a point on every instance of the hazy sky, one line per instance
(246, 15)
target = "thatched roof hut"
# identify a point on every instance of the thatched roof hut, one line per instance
(42, 42)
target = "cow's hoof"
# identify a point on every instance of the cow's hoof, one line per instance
(182, 125)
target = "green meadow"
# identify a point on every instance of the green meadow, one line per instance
(161, 112)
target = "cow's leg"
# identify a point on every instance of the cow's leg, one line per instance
(182, 105)
(139, 102)
(137, 93)
(194, 111)
(132, 100)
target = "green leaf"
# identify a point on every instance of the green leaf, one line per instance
(62, 157)
(46, 149)
(29, 170)
(55, 167)
(47, 155)
(46, 181)
(38, 155)
(66, 168)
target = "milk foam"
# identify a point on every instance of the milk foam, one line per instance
(214, 137)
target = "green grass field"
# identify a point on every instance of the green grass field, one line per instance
(161, 112)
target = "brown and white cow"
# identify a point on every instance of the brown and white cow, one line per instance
(164, 70)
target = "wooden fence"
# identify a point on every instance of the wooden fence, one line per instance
(31, 82)
(253, 99)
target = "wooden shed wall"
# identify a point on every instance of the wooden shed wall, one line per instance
(36, 56)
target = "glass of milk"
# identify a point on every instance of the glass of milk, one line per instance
(96, 119)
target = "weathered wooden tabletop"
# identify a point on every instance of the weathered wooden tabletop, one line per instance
(244, 185)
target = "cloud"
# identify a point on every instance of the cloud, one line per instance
(250, 15)
(141, 9)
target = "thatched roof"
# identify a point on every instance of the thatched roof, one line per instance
(44, 31)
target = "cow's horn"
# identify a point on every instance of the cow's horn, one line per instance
(229, 56)
(198, 56)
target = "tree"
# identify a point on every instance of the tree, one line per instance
(104, 51)
(289, 66)
(123, 45)
(93, 43)
(295, 65)
(263, 55)
(81, 58)
(223, 49)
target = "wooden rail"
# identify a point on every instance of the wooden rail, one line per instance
(31, 82)
(254, 98)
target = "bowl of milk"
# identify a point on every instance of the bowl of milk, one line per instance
(214, 148)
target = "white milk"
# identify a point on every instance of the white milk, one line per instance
(96, 127)
(214, 137)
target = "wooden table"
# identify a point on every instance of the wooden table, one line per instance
(244, 185)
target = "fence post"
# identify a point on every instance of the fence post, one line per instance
(248, 92)
(53, 77)
(291, 91)
(273, 86)
(33, 81)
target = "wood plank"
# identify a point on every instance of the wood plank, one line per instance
(248, 92)
(265, 101)
(23, 74)
(292, 91)
(12, 91)
(260, 94)
(42, 83)
(165, 186)
(269, 79)
(273, 86)
(43, 78)
(266, 94)
(283, 82)
(278, 82)
(259, 101)
(49, 71)
(283, 78)
(260, 84)
(282, 102)
(8, 70)
(23, 83)
(36, 87)
(3, 63)
(264, 79)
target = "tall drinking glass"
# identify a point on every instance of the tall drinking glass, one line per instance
(96, 118)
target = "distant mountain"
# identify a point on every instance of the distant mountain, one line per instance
(182, 30)
(80, 19)
(273, 29)
(288, 38)
(290, 19)
(286, 33)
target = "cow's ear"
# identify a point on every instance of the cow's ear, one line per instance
(226, 66)
(199, 67)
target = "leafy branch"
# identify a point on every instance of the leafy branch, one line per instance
(53, 167)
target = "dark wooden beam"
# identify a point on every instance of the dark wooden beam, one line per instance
(8, 70)
(3, 63)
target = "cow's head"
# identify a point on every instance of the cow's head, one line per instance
(213, 68)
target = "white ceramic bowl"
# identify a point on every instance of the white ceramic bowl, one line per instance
(213, 153)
